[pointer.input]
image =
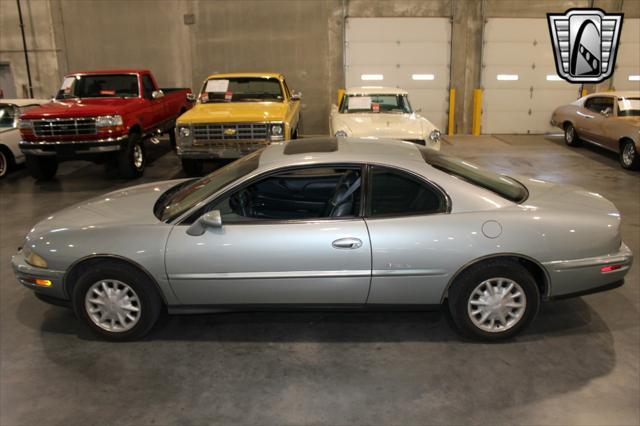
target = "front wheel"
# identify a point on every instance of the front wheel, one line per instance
(42, 167)
(6, 162)
(132, 158)
(494, 300)
(117, 302)
(629, 158)
(570, 135)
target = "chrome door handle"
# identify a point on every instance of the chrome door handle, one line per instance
(347, 243)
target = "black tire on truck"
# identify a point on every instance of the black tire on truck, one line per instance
(132, 157)
(191, 167)
(42, 167)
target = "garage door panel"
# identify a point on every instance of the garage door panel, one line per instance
(517, 29)
(398, 48)
(505, 122)
(404, 53)
(394, 29)
(628, 58)
(503, 100)
(550, 99)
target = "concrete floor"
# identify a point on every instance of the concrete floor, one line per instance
(578, 363)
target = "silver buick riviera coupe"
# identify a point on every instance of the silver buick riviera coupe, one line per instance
(323, 223)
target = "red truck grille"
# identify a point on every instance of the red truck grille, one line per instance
(65, 126)
(231, 131)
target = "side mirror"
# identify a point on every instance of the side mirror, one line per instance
(191, 97)
(157, 94)
(211, 219)
(296, 96)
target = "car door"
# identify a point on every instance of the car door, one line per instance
(153, 111)
(593, 115)
(293, 109)
(281, 242)
(409, 229)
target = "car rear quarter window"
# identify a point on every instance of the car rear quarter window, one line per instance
(395, 193)
(501, 184)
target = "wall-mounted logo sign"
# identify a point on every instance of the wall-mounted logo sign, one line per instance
(585, 43)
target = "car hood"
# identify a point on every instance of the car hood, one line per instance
(124, 207)
(225, 112)
(394, 126)
(81, 108)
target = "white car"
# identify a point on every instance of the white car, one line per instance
(10, 110)
(381, 112)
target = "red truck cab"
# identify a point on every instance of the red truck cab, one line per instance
(98, 116)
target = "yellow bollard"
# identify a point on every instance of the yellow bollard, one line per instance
(477, 112)
(452, 110)
(583, 93)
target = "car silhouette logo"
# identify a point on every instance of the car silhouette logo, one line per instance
(585, 44)
(229, 132)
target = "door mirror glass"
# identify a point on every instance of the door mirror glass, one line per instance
(211, 219)
(191, 97)
(157, 94)
(296, 96)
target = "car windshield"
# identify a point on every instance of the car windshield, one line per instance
(242, 89)
(376, 104)
(628, 107)
(180, 199)
(7, 116)
(99, 86)
(502, 185)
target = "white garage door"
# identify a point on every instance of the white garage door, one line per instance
(410, 53)
(627, 73)
(521, 86)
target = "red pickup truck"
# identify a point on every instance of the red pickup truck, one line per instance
(101, 116)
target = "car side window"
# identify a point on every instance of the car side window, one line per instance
(396, 193)
(147, 87)
(309, 193)
(599, 104)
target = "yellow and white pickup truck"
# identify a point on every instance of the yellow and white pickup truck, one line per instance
(236, 114)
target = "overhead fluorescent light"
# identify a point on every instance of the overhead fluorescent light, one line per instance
(507, 77)
(422, 76)
(634, 78)
(370, 77)
(553, 77)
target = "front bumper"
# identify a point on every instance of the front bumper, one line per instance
(218, 149)
(583, 276)
(72, 148)
(27, 275)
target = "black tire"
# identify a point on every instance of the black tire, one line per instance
(42, 167)
(493, 271)
(571, 137)
(629, 157)
(192, 167)
(7, 162)
(144, 294)
(132, 158)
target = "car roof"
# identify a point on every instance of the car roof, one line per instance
(620, 94)
(247, 74)
(341, 150)
(24, 102)
(116, 71)
(375, 90)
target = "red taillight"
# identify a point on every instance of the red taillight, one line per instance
(610, 268)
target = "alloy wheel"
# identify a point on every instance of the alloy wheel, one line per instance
(113, 305)
(138, 156)
(496, 305)
(628, 154)
(3, 164)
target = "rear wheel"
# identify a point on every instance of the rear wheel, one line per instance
(116, 301)
(629, 158)
(494, 300)
(192, 167)
(570, 135)
(42, 167)
(6, 161)
(132, 158)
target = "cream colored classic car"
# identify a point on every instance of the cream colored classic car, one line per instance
(383, 112)
(609, 119)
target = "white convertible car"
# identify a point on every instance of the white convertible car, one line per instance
(383, 112)
(10, 110)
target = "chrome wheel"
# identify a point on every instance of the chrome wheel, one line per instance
(112, 305)
(3, 164)
(138, 156)
(628, 154)
(569, 134)
(496, 305)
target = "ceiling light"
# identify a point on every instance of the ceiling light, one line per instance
(507, 77)
(369, 77)
(422, 76)
(634, 78)
(553, 77)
